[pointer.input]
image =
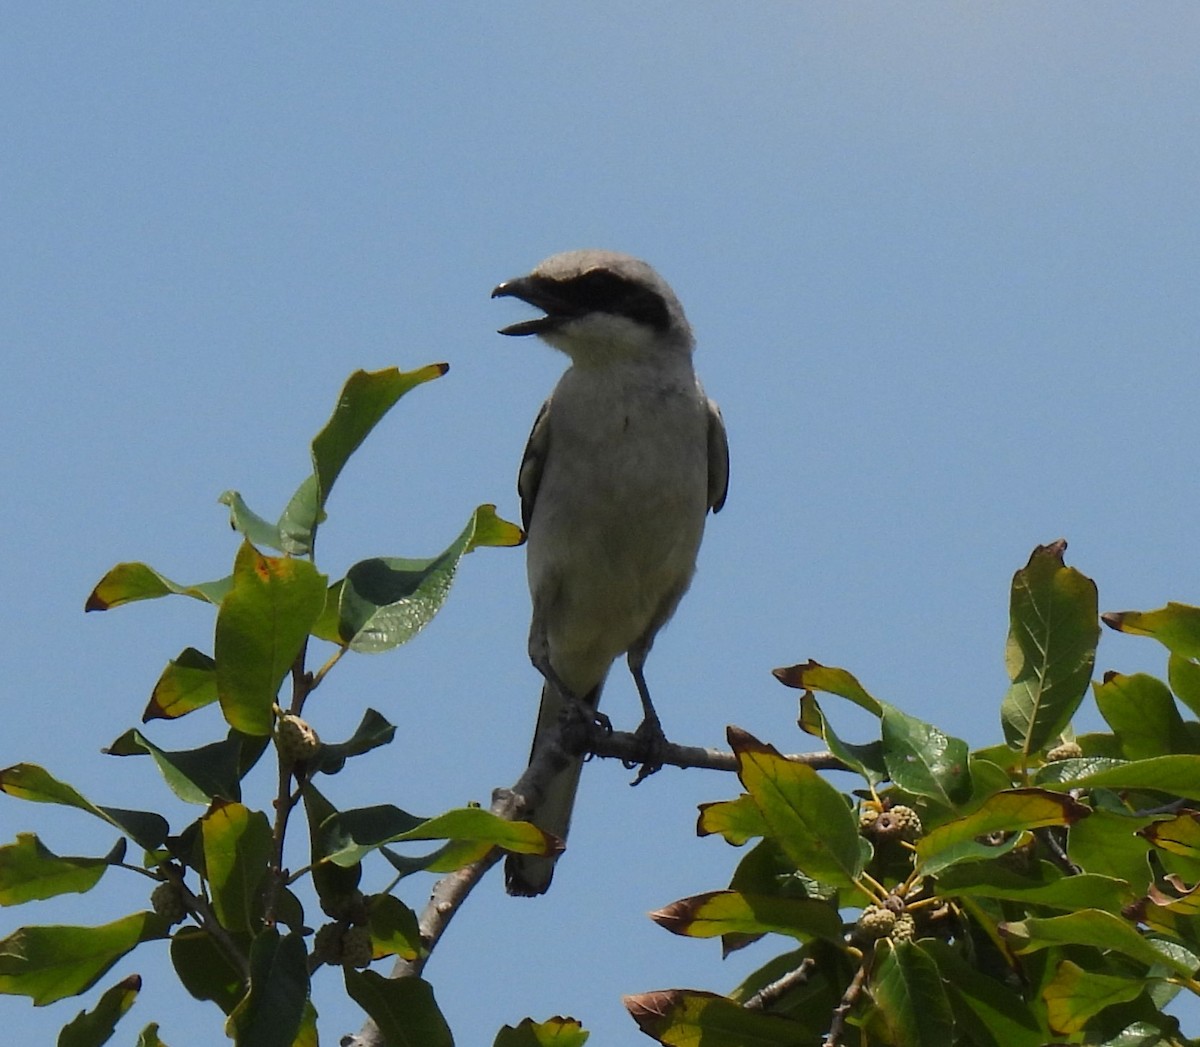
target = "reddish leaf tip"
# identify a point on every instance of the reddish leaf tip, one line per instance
(1055, 549)
(793, 675)
(1114, 619)
(95, 603)
(649, 1006)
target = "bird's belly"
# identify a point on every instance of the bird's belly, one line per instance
(615, 563)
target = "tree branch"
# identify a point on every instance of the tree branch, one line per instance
(849, 999)
(450, 892)
(771, 994)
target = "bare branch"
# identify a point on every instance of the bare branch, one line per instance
(625, 746)
(849, 999)
(771, 994)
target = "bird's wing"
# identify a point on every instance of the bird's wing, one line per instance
(718, 458)
(529, 477)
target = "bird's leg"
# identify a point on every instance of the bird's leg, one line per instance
(579, 717)
(651, 740)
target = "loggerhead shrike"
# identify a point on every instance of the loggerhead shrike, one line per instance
(625, 460)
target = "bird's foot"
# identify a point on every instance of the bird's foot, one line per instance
(651, 747)
(582, 725)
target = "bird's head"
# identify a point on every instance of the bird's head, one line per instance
(599, 305)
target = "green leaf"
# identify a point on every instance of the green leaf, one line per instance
(30, 871)
(1143, 715)
(149, 1037)
(204, 969)
(1051, 648)
(1139, 1034)
(385, 601)
(349, 835)
(909, 992)
(867, 759)
(923, 760)
(1178, 775)
(250, 525)
(990, 1013)
(403, 1008)
(298, 523)
(1042, 885)
(237, 851)
(807, 816)
(201, 775)
(1184, 677)
(394, 929)
(372, 732)
(1108, 844)
(554, 1032)
(1075, 996)
(1176, 627)
(52, 963)
(1010, 811)
(337, 887)
(1092, 927)
(186, 684)
(27, 781)
(128, 582)
(765, 870)
(307, 1035)
(273, 1008)
(734, 912)
(292, 534)
(93, 1028)
(813, 676)
(737, 820)
(262, 625)
(686, 1018)
(365, 398)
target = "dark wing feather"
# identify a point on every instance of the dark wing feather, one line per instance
(718, 459)
(529, 477)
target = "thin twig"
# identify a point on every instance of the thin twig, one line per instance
(771, 994)
(199, 907)
(849, 998)
(285, 800)
(623, 745)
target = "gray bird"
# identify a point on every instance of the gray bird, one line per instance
(625, 460)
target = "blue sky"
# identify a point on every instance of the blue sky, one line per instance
(941, 260)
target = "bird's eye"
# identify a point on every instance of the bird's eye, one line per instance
(602, 289)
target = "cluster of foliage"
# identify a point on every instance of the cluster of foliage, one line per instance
(218, 887)
(1041, 891)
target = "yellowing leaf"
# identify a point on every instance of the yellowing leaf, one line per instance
(806, 815)
(1176, 626)
(261, 626)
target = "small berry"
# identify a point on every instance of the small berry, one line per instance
(351, 907)
(357, 950)
(167, 900)
(875, 922)
(905, 929)
(296, 740)
(898, 823)
(1066, 751)
(867, 818)
(327, 945)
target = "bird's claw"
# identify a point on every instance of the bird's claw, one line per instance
(582, 725)
(651, 747)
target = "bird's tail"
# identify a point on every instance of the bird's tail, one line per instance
(527, 875)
